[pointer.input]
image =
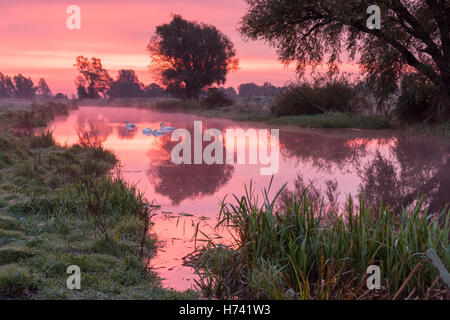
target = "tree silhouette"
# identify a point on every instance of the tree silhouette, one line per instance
(414, 37)
(153, 91)
(189, 56)
(24, 87)
(43, 89)
(95, 79)
(127, 85)
(6, 86)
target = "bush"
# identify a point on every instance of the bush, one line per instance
(216, 98)
(417, 100)
(314, 99)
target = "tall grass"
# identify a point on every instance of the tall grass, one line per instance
(307, 253)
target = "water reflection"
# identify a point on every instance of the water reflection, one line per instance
(183, 181)
(332, 163)
(413, 169)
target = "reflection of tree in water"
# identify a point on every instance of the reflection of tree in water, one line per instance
(126, 134)
(180, 182)
(324, 151)
(419, 168)
(314, 193)
(99, 126)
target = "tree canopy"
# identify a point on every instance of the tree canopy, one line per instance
(94, 78)
(414, 37)
(43, 89)
(188, 56)
(7, 89)
(24, 87)
(127, 85)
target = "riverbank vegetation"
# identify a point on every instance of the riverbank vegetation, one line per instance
(62, 206)
(300, 250)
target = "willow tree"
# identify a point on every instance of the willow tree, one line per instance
(188, 56)
(414, 37)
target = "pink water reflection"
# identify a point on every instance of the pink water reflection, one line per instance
(189, 194)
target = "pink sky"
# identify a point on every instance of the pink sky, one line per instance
(36, 42)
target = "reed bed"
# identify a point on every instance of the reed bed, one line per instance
(305, 252)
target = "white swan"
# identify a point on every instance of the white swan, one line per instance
(131, 126)
(150, 132)
(147, 131)
(166, 129)
(157, 133)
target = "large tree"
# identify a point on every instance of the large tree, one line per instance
(127, 85)
(43, 89)
(414, 37)
(24, 87)
(7, 88)
(95, 79)
(189, 56)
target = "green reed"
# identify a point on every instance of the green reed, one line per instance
(307, 252)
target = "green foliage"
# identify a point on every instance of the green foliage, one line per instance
(313, 33)
(334, 120)
(13, 254)
(313, 99)
(216, 98)
(305, 252)
(417, 101)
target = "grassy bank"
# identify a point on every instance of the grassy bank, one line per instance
(258, 109)
(250, 109)
(61, 206)
(306, 253)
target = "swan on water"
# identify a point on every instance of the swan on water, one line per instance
(163, 128)
(147, 131)
(130, 125)
(157, 132)
(150, 132)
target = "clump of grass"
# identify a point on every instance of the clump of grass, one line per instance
(307, 253)
(130, 273)
(5, 160)
(13, 254)
(44, 140)
(16, 282)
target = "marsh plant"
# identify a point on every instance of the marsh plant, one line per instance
(305, 252)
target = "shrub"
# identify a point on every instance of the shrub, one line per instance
(417, 100)
(317, 98)
(216, 98)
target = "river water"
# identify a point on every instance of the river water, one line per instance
(333, 163)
